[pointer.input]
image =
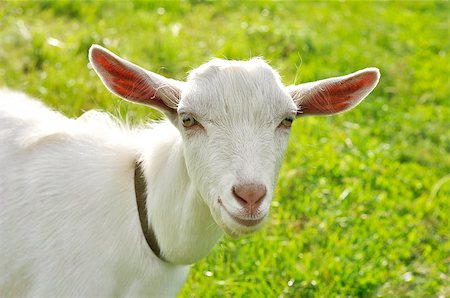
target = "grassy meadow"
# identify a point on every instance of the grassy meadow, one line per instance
(362, 204)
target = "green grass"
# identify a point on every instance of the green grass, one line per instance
(362, 204)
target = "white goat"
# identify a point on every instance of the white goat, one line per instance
(72, 222)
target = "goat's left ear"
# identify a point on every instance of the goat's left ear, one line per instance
(334, 95)
(134, 83)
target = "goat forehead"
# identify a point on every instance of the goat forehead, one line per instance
(235, 77)
(227, 88)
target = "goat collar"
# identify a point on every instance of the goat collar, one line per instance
(140, 188)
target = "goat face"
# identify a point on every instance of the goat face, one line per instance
(235, 119)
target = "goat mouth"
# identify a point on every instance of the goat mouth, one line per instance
(242, 221)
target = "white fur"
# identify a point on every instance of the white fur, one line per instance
(69, 224)
(68, 217)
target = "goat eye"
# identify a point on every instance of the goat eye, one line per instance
(287, 122)
(188, 121)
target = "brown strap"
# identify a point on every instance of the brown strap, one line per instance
(140, 188)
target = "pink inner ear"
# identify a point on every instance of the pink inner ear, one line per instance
(337, 95)
(352, 85)
(123, 80)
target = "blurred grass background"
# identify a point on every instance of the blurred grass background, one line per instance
(362, 205)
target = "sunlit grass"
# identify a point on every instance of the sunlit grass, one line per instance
(362, 203)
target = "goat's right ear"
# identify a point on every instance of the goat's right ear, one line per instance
(134, 83)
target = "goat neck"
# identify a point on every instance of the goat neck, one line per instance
(181, 220)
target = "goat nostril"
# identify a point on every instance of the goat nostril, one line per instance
(241, 200)
(249, 194)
